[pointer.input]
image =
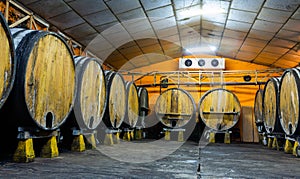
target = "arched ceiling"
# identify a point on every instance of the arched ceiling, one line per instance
(264, 32)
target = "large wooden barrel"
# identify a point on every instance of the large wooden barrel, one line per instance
(271, 106)
(132, 99)
(44, 88)
(289, 101)
(116, 100)
(90, 101)
(8, 61)
(175, 107)
(258, 110)
(219, 109)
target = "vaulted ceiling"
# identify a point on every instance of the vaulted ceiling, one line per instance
(143, 32)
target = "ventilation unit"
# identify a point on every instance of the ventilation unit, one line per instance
(202, 63)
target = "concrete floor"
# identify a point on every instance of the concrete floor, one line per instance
(217, 161)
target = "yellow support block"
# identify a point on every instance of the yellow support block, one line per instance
(117, 138)
(270, 142)
(108, 140)
(78, 144)
(50, 149)
(127, 136)
(24, 152)
(288, 147)
(131, 135)
(138, 134)
(212, 137)
(295, 149)
(180, 136)
(227, 138)
(90, 142)
(168, 135)
(275, 144)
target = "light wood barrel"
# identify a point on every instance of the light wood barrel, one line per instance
(89, 106)
(258, 110)
(271, 106)
(8, 61)
(116, 100)
(175, 107)
(219, 109)
(132, 98)
(289, 101)
(44, 88)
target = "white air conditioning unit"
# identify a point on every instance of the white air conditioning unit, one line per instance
(202, 63)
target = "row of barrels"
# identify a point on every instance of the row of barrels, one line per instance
(219, 108)
(277, 106)
(42, 83)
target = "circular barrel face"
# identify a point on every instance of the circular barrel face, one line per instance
(116, 100)
(132, 104)
(175, 108)
(258, 106)
(7, 61)
(49, 80)
(289, 101)
(89, 105)
(219, 109)
(270, 100)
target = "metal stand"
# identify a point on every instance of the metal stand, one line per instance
(112, 136)
(180, 135)
(212, 136)
(128, 134)
(25, 151)
(138, 133)
(292, 145)
(276, 141)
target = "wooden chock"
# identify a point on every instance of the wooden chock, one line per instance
(227, 138)
(108, 140)
(127, 136)
(212, 138)
(138, 134)
(288, 147)
(90, 142)
(117, 137)
(132, 135)
(24, 152)
(275, 144)
(78, 144)
(167, 135)
(295, 148)
(270, 142)
(180, 136)
(50, 149)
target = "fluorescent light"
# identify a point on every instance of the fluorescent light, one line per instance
(213, 48)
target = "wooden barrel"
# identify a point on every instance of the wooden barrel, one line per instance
(175, 107)
(115, 101)
(219, 109)
(8, 61)
(258, 110)
(90, 98)
(132, 111)
(271, 106)
(44, 88)
(289, 96)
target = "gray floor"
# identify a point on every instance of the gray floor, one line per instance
(160, 159)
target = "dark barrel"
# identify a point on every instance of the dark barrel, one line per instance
(8, 61)
(89, 106)
(289, 101)
(132, 107)
(219, 109)
(115, 100)
(175, 107)
(258, 110)
(44, 88)
(271, 113)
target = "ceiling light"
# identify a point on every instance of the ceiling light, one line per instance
(207, 9)
(213, 48)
